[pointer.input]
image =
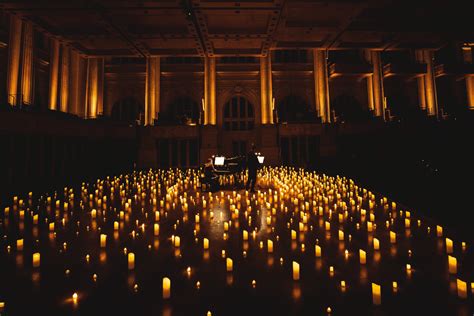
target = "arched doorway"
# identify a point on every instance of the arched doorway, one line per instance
(238, 124)
(127, 110)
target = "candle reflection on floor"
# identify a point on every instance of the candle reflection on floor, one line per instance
(157, 227)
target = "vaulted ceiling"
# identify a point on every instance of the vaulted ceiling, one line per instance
(245, 27)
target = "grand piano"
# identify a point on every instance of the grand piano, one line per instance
(222, 171)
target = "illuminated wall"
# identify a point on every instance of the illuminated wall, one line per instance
(266, 90)
(321, 85)
(53, 74)
(210, 91)
(27, 64)
(64, 97)
(152, 89)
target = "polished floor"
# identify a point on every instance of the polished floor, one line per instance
(303, 244)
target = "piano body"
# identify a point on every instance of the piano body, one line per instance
(222, 171)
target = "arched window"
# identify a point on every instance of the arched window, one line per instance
(238, 114)
(127, 110)
(294, 109)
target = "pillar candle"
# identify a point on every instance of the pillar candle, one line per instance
(439, 231)
(453, 265)
(395, 286)
(131, 261)
(177, 241)
(296, 271)
(341, 235)
(407, 223)
(19, 244)
(270, 246)
(93, 213)
(229, 264)
(245, 235)
(449, 245)
(317, 251)
(376, 294)
(376, 243)
(51, 227)
(166, 288)
(103, 240)
(462, 288)
(156, 229)
(206, 243)
(362, 257)
(393, 237)
(293, 234)
(36, 259)
(226, 226)
(327, 225)
(369, 227)
(116, 225)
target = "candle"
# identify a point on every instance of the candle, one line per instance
(36, 259)
(449, 245)
(395, 286)
(229, 264)
(74, 298)
(293, 234)
(453, 264)
(116, 225)
(131, 261)
(270, 246)
(439, 231)
(296, 271)
(327, 225)
(376, 243)
(341, 235)
(369, 227)
(177, 241)
(19, 244)
(156, 229)
(245, 235)
(226, 226)
(317, 250)
(103, 240)
(51, 227)
(362, 256)
(93, 214)
(462, 288)
(376, 294)
(205, 243)
(166, 288)
(393, 237)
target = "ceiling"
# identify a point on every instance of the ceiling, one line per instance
(245, 27)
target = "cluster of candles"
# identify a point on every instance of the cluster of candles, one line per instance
(316, 209)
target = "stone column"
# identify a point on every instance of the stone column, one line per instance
(321, 82)
(467, 55)
(210, 91)
(377, 84)
(13, 68)
(95, 87)
(54, 75)
(152, 89)
(64, 87)
(27, 64)
(266, 93)
(370, 92)
(76, 84)
(427, 82)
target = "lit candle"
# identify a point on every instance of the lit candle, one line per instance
(270, 246)
(317, 250)
(462, 288)
(177, 241)
(393, 237)
(453, 264)
(376, 243)
(131, 261)
(296, 271)
(205, 243)
(245, 235)
(36, 259)
(376, 294)
(116, 225)
(103, 240)
(166, 288)
(327, 225)
(74, 298)
(19, 244)
(341, 235)
(449, 245)
(229, 264)
(156, 229)
(395, 286)
(362, 256)
(439, 231)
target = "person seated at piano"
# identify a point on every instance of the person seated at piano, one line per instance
(210, 176)
(252, 167)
